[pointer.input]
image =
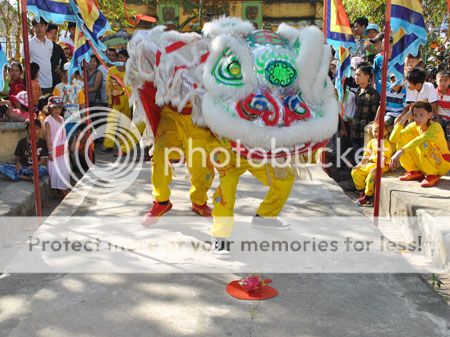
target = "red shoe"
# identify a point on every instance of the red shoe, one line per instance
(202, 210)
(412, 175)
(157, 210)
(430, 181)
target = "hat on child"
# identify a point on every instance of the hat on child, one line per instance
(55, 101)
(373, 26)
(22, 98)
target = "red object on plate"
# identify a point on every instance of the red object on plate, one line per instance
(264, 292)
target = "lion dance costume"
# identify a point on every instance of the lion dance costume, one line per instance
(263, 95)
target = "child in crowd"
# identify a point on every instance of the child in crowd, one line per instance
(78, 80)
(43, 113)
(55, 134)
(21, 112)
(371, 45)
(443, 104)
(395, 102)
(74, 101)
(8, 113)
(419, 90)
(367, 101)
(23, 168)
(35, 86)
(411, 62)
(423, 150)
(364, 173)
(16, 83)
(378, 61)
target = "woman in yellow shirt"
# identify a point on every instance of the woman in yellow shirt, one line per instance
(423, 150)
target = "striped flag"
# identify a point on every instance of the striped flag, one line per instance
(340, 36)
(91, 25)
(339, 31)
(409, 33)
(57, 11)
(3, 64)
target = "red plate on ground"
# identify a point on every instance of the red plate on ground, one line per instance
(235, 290)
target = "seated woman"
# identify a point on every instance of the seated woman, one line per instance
(23, 168)
(423, 150)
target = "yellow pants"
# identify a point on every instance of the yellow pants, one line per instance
(225, 195)
(363, 179)
(426, 158)
(174, 131)
(118, 125)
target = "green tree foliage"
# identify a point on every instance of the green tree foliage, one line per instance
(434, 12)
(114, 12)
(372, 9)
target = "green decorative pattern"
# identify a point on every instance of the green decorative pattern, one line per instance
(227, 69)
(263, 59)
(266, 38)
(280, 73)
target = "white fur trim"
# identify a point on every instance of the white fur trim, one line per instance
(309, 60)
(141, 67)
(242, 52)
(318, 89)
(234, 128)
(289, 32)
(227, 26)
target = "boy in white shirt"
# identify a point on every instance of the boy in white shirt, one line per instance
(419, 90)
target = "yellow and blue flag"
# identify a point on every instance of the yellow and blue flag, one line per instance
(57, 11)
(339, 32)
(3, 64)
(91, 25)
(340, 36)
(409, 33)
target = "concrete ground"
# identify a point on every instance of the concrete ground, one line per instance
(159, 305)
(326, 304)
(17, 198)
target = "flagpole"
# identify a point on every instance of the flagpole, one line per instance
(325, 18)
(26, 52)
(380, 152)
(86, 99)
(448, 20)
(323, 154)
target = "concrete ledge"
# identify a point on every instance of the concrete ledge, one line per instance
(8, 126)
(18, 198)
(417, 211)
(437, 238)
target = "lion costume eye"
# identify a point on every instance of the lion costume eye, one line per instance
(228, 70)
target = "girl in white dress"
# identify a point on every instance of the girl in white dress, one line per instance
(58, 159)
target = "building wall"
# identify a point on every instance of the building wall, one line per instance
(267, 14)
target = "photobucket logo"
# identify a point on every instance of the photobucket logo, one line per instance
(102, 126)
(278, 157)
